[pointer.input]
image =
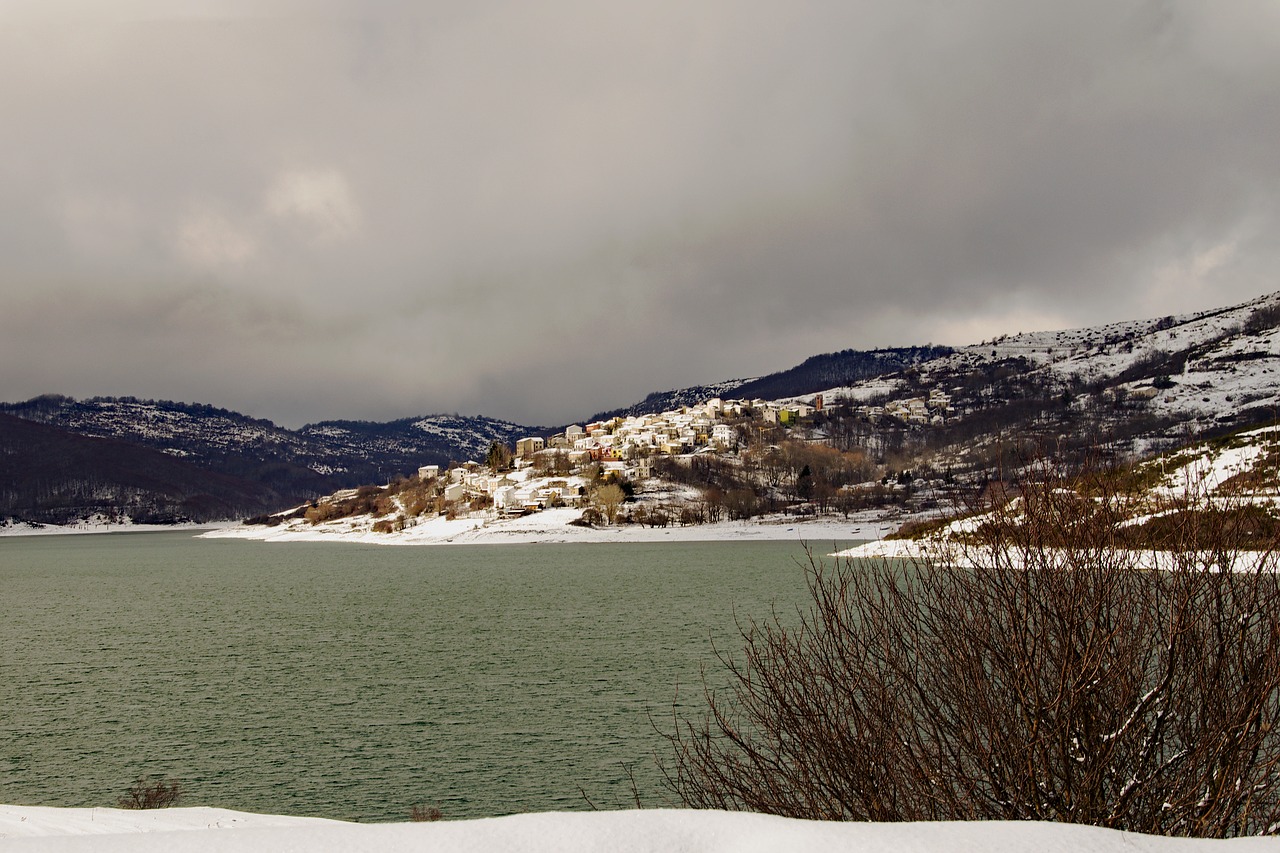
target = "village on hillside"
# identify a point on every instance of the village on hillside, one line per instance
(925, 440)
(722, 459)
(625, 450)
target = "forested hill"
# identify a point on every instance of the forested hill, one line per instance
(51, 476)
(829, 370)
(279, 466)
(833, 369)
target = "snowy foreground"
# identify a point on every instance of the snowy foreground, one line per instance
(205, 829)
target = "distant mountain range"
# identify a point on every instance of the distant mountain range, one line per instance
(1132, 386)
(271, 467)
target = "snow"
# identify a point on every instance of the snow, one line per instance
(1226, 371)
(1207, 471)
(98, 524)
(553, 526)
(44, 830)
(32, 821)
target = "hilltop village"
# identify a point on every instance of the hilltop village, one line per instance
(719, 460)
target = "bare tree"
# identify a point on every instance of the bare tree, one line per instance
(150, 794)
(610, 498)
(1040, 668)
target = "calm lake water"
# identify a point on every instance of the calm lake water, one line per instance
(353, 681)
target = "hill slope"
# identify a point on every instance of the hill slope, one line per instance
(1133, 386)
(812, 375)
(51, 476)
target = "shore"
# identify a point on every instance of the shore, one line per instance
(98, 527)
(554, 526)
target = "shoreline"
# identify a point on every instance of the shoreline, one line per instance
(555, 527)
(24, 530)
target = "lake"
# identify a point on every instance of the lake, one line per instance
(353, 681)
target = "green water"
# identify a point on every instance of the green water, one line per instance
(354, 681)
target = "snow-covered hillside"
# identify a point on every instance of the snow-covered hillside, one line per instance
(1238, 474)
(1162, 379)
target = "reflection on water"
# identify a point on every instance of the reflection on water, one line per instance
(353, 681)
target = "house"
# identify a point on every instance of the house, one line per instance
(504, 499)
(428, 472)
(529, 446)
(455, 492)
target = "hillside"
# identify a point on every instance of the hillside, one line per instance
(51, 476)
(1131, 387)
(399, 447)
(946, 419)
(812, 375)
(278, 467)
(1223, 494)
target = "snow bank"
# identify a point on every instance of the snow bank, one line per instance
(99, 524)
(553, 526)
(190, 830)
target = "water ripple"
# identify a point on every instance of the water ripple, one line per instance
(353, 682)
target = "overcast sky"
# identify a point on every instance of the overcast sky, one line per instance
(538, 210)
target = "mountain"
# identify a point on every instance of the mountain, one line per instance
(402, 446)
(278, 467)
(51, 476)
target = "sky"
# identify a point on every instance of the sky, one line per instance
(536, 211)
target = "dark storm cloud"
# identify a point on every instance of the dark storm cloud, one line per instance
(540, 210)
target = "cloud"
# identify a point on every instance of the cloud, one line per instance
(542, 210)
(318, 201)
(209, 241)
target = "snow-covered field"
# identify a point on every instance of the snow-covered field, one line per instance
(25, 828)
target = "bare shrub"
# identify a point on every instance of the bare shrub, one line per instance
(591, 517)
(1038, 669)
(422, 812)
(148, 794)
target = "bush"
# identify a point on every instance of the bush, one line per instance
(1033, 671)
(422, 812)
(145, 794)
